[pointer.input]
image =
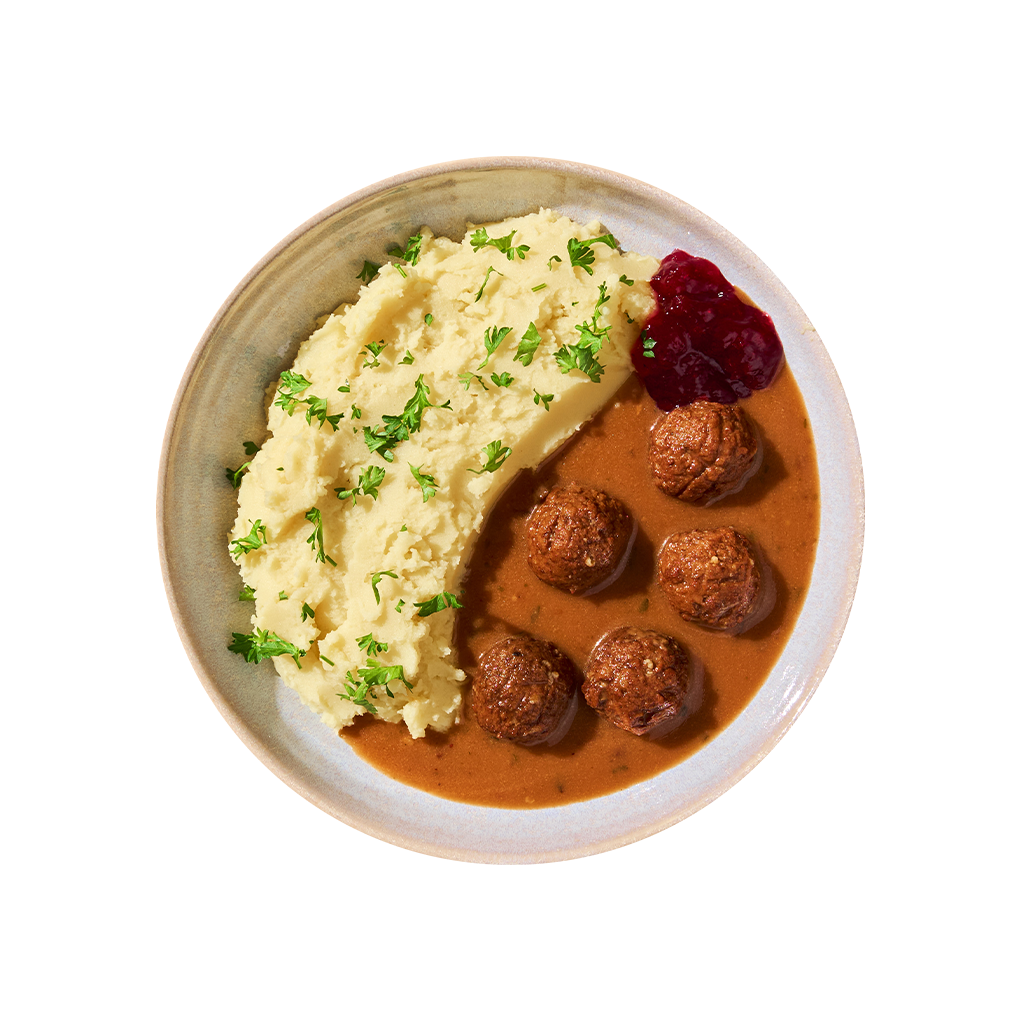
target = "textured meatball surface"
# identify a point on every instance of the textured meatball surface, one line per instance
(525, 690)
(577, 537)
(638, 680)
(702, 451)
(711, 577)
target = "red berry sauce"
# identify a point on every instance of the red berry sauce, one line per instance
(703, 341)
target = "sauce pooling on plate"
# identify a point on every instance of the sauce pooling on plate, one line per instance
(704, 341)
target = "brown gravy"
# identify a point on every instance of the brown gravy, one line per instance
(778, 508)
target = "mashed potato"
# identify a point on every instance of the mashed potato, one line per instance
(399, 431)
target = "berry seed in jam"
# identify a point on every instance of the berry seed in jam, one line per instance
(707, 342)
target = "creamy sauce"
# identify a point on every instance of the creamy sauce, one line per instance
(778, 508)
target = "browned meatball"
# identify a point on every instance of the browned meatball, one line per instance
(702, 451)
(640, 681)
(525, 691)
(577, 537)
(712, 577)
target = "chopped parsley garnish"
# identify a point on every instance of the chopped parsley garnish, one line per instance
(495, 455)
(625, 280)
(480, 238)
(400, 605)
(261, 643)
(428, 485)
(583, 355)
(357, 413)
(377, 577)
(318, 407)
(428, 319)
(581, 254)
(369, 271)
(407, 359)
(527, 345)
(235, 475)
(490, 270)
(648, 344)
(251, 448)
(282, 596)
(410, 254)
(371, 352)
(374, 674)
(345, 388)
(467, 378)
(292, 385)
(539, 287)
(554, 259)
(371, 646)
(503, 380)
(326, 660)
(394, 429)
(437, 604)
(370, 480)
(246, 593)
(307, 612)
(538, 399)
(316, 539)
(256, 538)
(493, 337)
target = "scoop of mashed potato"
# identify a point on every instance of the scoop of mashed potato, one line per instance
(403, 418)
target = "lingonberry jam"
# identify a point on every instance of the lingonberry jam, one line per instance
(703, 341)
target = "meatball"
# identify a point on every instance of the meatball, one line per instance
(640, 681)
(702, 451)
(577, 538)
(713, 578)
(525, 691)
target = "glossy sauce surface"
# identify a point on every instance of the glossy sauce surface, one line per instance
(778, 508)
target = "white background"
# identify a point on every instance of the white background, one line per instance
(868, 869)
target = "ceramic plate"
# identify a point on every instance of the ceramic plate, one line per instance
(254, 337)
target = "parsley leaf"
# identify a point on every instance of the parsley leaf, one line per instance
(316, 539)
(428, 485)
(467, 378)
(256, 538)
(371, 646)
(292, 385)
(307, 612)
(410, 254)
(490, 270)
(235, 475)
(554, 259)
(370, 480)
(625, 280)
(583, 355)
(394, 429)
(480, 238)
(407, 359)
(527, 345)
(372, 675)
(493, 337)
(538, 398)
(428, 319)
(377, 577)
(495, 455)
(582, 255)
(437, 604)
(371, 352)
(260, 644)
(648, 344)
(369, 271)
(503, 380)
(246, 593)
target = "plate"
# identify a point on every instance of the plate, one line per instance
(255, 336)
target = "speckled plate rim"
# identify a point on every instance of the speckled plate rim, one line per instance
(494, 835)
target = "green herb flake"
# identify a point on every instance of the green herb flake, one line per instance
(495, 456)
(235, 475)
(261, 643)
(308, 613)
(369, 482)
(428, 319)
(316, 539)
(437, 604)
(282, 596)
(246, 593)
(372, 675)
(502, 380)
(583, 355)
(395, 429)
(291, 387)
(539, 287)
(345, 388)
(369, 271)
(480, 238)
(546, 400)
(400, 605)
(625, 280)
(256, 538)
(581, 254)
(428, 485)
(372, 351)
(376, 578)
(251, 448)
(490, 270)
(410, 254)
(648, 344)
(493, 337)
(407, 359)
(554, 259)
(371, 646)
(527, 345)
(467, 378)
(326, 660)
(357, 413)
